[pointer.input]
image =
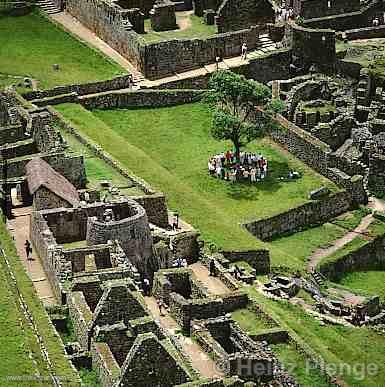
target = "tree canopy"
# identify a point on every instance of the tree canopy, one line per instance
(234, 101)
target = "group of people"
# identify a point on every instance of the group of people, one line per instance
(250, 167)
(284, 14)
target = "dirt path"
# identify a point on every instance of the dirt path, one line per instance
(214, 285)
(315, 258)
(199, 359)
(321, 253)
(19, 227)
(72, 25)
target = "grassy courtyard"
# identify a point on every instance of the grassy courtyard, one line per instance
(175, 161)
(30, 45)
(368, 282)
(189, 27)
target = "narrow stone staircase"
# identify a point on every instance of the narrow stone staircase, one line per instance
(48, 6)
(264, 47)
(318, 278)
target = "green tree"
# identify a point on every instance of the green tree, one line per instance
(242, 108)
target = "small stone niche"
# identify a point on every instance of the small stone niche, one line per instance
(163, 16)
(209, 16)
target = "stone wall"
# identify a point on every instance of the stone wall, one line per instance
(369, 257)
(174, 56)
(131, 230)
(185, 245)
(303, 145)
(257, 259)
(310, 9)
(104, 363)
(312, 213)
(156, 208)
(156, 60)
(81, 317)
(233, 15)
(111, 25)
(349, 20)
(149, 98)
(271, 66)
(45, 199)
(376, 180)
(121, 82)
(366, 33)
(312, 46)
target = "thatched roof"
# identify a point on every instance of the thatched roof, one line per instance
(41, 174)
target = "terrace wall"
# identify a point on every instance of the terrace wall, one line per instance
(312, 213)
(369, 257)
(146, 98)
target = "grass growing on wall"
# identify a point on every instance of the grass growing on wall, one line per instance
(16, 343)
(30, 45)
(170, 147)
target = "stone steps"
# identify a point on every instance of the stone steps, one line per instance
(48, 6)
(318, 278)
(265, 45)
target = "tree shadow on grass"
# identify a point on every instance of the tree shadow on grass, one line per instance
(244, 190)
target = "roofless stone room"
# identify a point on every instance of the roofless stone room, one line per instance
(192, 193)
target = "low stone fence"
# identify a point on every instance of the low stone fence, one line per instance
(369, 257)
(348, 69)
(272, 336)
(366, 33)
(121, 82)
(257, 259)
(150, 98)
(311, 213)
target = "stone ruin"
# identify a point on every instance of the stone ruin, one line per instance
(163, 16)
(27, 134)
(347, 116)
(337, 14)
(237, 354)
(127, 346)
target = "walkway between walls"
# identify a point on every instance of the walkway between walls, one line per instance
(214, 285)
(19, 227)
(199, 359)
(71, 24)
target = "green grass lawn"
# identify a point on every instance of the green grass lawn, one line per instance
(30, 45)
(175, 161)
(250, 322)
(368, 282)
(351, 351)
(196, 29)
(97, 169)
(297, 365)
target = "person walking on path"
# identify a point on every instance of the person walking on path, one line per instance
(244, 51)
(212, 268)
(160, 306)
(28, 250)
